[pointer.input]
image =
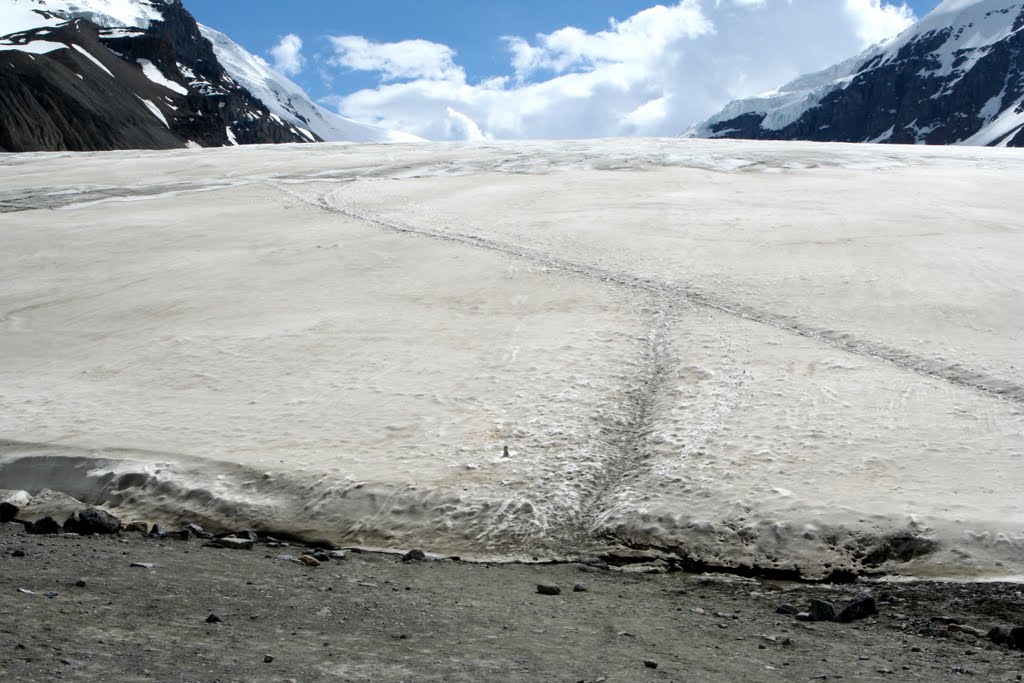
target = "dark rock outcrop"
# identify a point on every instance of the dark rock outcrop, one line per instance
(938, 83)
(95, 95)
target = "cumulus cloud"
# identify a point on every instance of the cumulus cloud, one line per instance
(287, 55)
(654, 73)
(409, 59)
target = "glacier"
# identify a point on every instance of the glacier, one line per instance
(783, 356)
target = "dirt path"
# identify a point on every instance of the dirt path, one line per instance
(372, 617)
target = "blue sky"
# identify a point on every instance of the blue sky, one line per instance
(466, 41)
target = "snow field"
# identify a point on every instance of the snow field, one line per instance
(783, 354)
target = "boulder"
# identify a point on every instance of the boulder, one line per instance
(822, 611)
(97, 521)
(860, 607)
(1017, 638)
(46, 525)
(8, 511)
(15, 497)
(47, 503)
(414, 555)
(548, 588)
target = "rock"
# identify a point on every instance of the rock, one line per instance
(18, 553)
(47, 503)
(969, 630)
(195, 531)
(804, 616)
(309, 561)
(25, 591)
(650, 664)
(999, 635)
(1017, 638)
(547, 588)
(8, 511)
(285, 558)
(213, 619)
(946, 621)
(97, 521)
(157, 531)
(50, 594)
(786, 609)
(321, 556)
(15, 497)
(46, 525)
(580, 588)
(80, 583)
(822, 611)
(136, 527)
(142, 565)
(232, 543)
(251, 535)
(860, 607)
(267, 659)
(338, 554)
(414, 555)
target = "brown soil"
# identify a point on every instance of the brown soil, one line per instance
(371, 617)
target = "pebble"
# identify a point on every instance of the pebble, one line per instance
(547, 588)
(650, 664)
(232, 543)
(321, 556)
(580, 588)
(786, 609)
(309, 561)
(18, 553)
(267, 659)
(50, 594)
(142, 565)
(80, 583)
(25, 591)
(139, 527)
(213, 619)
(338, 554)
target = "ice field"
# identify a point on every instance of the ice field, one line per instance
(781, 355)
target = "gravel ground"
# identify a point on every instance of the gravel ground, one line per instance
(91, 616)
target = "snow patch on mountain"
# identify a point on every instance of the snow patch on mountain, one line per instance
(288, 100)
(953, 38)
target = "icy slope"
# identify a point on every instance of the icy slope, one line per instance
(955, 77)
(681, 342)
(288, 100)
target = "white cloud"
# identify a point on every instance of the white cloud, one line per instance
(654, 73)
(876, 22)
(409, 59)
(287, 55)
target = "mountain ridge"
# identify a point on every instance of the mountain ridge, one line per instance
(954, 77)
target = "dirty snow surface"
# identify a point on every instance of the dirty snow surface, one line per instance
(778, 355)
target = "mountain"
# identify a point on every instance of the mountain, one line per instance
(122, 74)
(954, 77)
(288, 100)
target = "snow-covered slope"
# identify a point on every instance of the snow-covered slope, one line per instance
(288, 100)
(955, 77)
(284, 99)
